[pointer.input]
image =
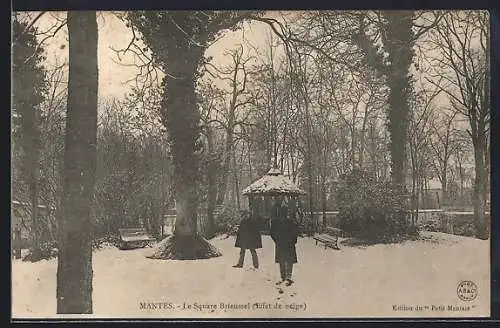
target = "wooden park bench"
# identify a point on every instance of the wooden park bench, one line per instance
(134, 238)
(329, 238)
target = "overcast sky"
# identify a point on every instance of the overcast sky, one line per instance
(114, 34)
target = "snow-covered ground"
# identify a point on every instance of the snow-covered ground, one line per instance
(373, 281)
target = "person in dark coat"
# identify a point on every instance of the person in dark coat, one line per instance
(284, 232)
(248, 237)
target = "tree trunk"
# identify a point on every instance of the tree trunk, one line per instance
(481, 151)
(212, 187)
(236, 181)
(33, 191)
(250, 171)
(31, 145)
(373, 151)
(353, 147)
(181, 117)
(479, 196)
(414, 198)
(362, 142)
(323, 182)
(422, 191)
(34, 157)
(444, 184)
(323, 202)
(17, 243)
(399, 46)
(310, 179)
(74, 272)
(228, 151)
(462, 178)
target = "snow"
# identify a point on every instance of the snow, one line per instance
(273, 183)
(353, 282)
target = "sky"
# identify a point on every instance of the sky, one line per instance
(113, 34)
(115, 78)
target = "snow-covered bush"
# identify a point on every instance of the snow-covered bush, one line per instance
(372, 210)
(45, 251)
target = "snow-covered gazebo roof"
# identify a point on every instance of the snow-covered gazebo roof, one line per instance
(273, 183)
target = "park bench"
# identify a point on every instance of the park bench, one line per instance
(329, 238)
(134, 238)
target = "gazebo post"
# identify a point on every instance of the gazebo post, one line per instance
(251, 206)
(299, 205)
(291, 207)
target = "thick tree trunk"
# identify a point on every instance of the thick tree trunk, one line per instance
(399, 46)
(182, 118)
(480, 189)
(183, 126)
(74, 272)
(482, 151)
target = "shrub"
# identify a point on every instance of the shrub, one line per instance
(431, 225)
(227, 221)
(373, 210)
(45, 251)
(466, 229)
(106, 242)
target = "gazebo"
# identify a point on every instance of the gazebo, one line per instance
(263, 193)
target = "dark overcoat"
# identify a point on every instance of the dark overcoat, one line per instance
(248, 236)
(284, 232)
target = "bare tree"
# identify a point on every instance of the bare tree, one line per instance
(236, 76)
(443, 146)
(422, 114)
(462, 41)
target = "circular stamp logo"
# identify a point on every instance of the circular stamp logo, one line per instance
(467, 290)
